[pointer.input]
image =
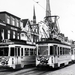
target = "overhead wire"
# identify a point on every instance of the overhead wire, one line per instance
(39, 4)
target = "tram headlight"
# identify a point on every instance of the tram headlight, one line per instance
(47, 59)
(5, 61)
(12, 60)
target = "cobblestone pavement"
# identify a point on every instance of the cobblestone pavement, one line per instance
(68, 70)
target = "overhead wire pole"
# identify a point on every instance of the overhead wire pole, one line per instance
(58, 26)
(53, 27)
(39, 4)
(45, 32)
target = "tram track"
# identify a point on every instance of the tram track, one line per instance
(5, 71)
(29, 71)
(33, 72)
(19, 72)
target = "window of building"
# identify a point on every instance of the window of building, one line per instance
(17, 35)
(8, 34)
(21, 25)
(14, 34)
(36, 30)
(8, 19)
(17, 22)
(2, 34)
(22, 34)
(13, 21)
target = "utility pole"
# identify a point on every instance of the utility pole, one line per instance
(51, 21)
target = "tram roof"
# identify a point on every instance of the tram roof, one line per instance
(15, 41)
(49, 40)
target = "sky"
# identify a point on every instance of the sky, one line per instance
(65, 9)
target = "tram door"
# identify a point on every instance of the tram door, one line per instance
(55, 54)
(17, 55)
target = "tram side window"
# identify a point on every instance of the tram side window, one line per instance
(71, 51)
(1, 51)
(18, 51)
(34, 51)
(26, 51)
(58, 51)
(51, 50)
(15, 52)
(4, 51)
(55, 50)
(12, 51)
(74, 51)
(31, 51)
(21, 51)
(61, 51)
(67, 51)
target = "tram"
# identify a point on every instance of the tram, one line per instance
(17, 53)
(73, 53)
(53, 53)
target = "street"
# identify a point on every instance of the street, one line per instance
(68, 70)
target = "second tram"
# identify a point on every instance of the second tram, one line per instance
(53, 53)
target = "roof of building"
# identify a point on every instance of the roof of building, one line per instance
(25, 22)
(5, 12)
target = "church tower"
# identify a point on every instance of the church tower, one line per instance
(35, 27)
(48, 11)
(34, 16)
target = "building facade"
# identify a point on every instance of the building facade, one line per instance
(35, 32)
(26, 32)
(29, 32)
(10, 29)
(2, 30)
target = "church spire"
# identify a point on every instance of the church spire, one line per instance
(48, 10)
(34, 16)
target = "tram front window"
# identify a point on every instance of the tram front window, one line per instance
(4, 51)
(43, 50)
